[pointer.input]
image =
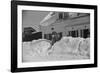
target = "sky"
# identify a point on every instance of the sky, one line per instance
(31, 18)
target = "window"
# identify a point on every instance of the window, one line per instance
(60, 15)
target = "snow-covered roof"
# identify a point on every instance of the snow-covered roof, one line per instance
(50, 18)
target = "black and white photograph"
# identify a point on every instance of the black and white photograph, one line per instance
(49, 36)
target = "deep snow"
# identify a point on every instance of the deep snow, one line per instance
(67, 48)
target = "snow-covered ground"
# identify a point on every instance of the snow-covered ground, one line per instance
(67, 48)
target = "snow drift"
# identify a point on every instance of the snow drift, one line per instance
(67, 45)
(76, 46)
(40, 46)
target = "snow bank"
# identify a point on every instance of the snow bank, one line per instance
(84, 47)
(77, 46)
(67, 45)
(40, 46)
(26, 50)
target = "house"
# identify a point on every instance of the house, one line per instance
(30, 34)
(58, 24)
